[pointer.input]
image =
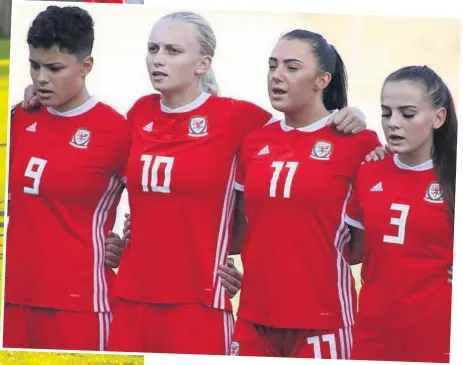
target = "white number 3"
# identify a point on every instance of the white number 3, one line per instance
(34, 170)
(400, 223)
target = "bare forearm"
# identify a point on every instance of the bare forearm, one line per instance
(238, 233)
(239, 226)
(355, 247)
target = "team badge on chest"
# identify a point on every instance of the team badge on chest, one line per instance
(321, 150)
(198, 127)
(81, 138)
(434, 194)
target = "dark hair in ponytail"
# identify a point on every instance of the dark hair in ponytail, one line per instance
(329, 60)
(444, 152)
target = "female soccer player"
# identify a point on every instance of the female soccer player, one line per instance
(180, 183)
(297, 176)
(404, 206)
(66, 162)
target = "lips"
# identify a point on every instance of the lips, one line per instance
(278, 91)
(395, 139)
(158, 73)
(44, 91)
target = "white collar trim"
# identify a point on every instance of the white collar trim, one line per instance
(200, 100)
(421, 167)
(81, 109)
(311, 127)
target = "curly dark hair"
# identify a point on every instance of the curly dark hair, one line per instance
(70, 28)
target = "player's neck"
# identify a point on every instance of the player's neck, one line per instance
(80, 99)
(178, 100)
(306, 116)
(417, 156)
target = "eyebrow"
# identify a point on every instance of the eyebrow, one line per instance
(47, 64)
(287, 60)
(400, 107)
(165, 44)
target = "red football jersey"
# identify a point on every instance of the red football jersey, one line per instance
(408, 245)
(297, 183)
(180, 186)
(64, 186)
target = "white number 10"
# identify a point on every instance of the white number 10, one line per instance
(400, 223)
(34, 170)
(278, 166)
(158, 160)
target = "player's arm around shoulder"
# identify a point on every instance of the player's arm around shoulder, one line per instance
(248, 116)
(119, 138)
(349, 121)
(370, 147)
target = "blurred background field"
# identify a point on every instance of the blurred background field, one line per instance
(4, 49)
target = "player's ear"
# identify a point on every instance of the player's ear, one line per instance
(322, 81)
(439, 118)
(86, 66)
(203, 65)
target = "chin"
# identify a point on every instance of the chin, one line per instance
(279, 105)
(162, 88)
(50, 103)
(157, 87)
(399, 149)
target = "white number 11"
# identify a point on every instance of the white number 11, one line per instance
(315, 341)
(278, 166)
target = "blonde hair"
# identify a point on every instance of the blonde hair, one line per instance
(207, 43)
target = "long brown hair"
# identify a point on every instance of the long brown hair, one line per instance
(444, 153)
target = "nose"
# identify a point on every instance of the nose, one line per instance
(157, 59)
(277, 74)
(395, 121)
(42, 76)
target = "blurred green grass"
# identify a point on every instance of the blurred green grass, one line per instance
(4, 48)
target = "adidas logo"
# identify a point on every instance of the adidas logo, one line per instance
(148, 127)
(32, 127)
(377, 187)
(264, 151)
